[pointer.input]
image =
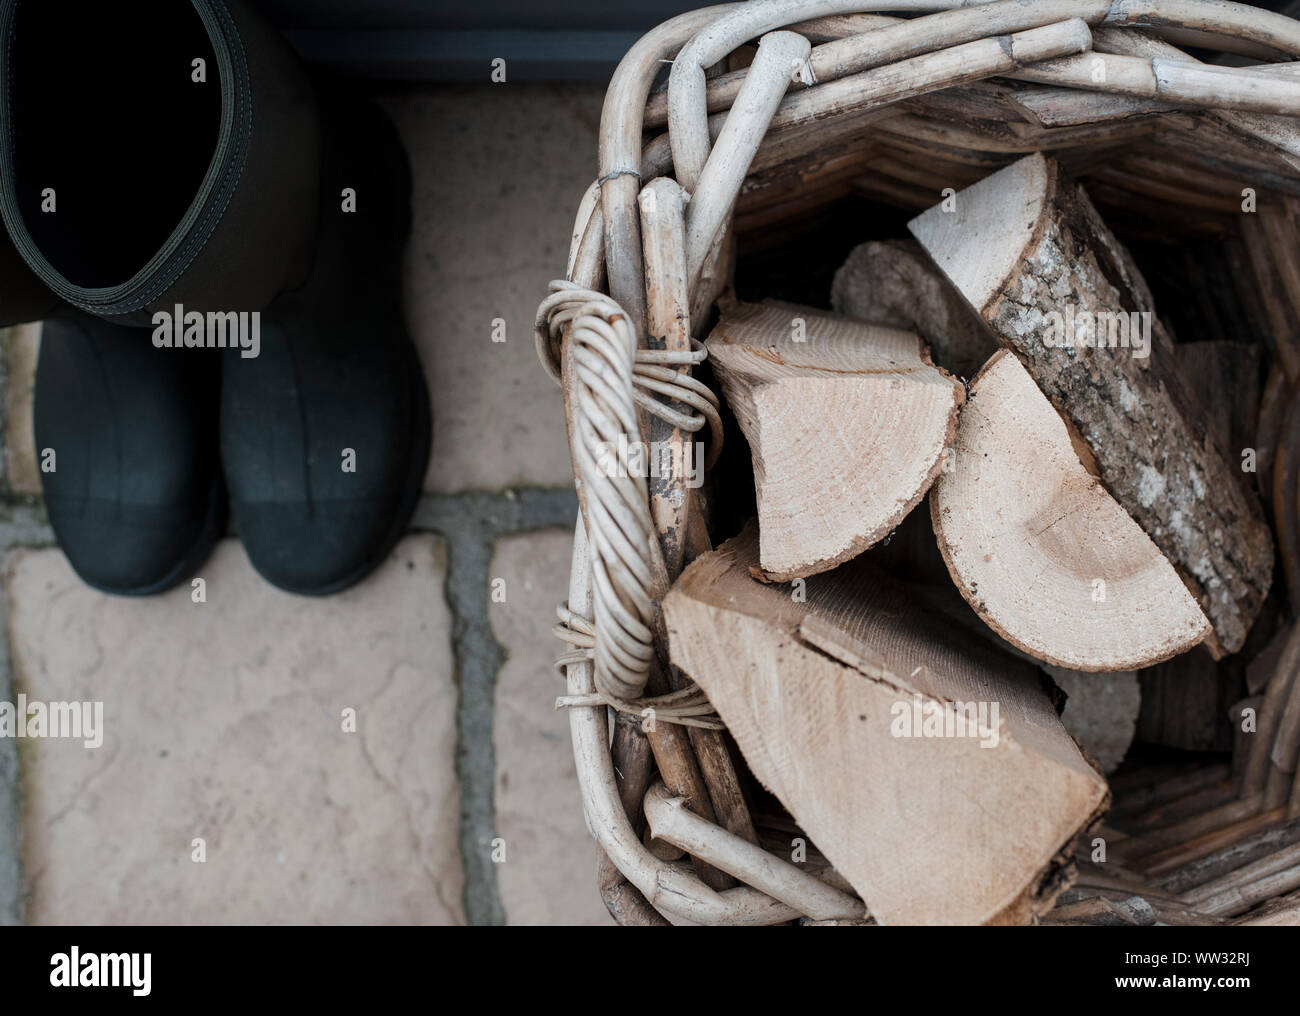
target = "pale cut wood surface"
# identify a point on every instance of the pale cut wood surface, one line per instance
(847, 428)
(926, 829)
(1026, 243)
(1037, 546)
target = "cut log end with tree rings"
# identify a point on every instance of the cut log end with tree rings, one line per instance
(1044, 554)
(847, 424)
(1030, 253)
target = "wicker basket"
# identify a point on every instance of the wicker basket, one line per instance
(836, 93)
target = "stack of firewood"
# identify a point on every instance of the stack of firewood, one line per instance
(993, 472)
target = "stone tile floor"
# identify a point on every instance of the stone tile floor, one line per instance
(226, 733)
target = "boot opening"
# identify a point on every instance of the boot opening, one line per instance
(107, 115)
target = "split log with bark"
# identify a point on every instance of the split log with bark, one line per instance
(1029, 252)
(1037, 546)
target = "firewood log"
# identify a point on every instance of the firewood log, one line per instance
(933, 818)
(1030, 253)
(847, 424)
(1043, 553)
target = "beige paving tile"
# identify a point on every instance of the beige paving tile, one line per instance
(548, 876)
(22, 343)
(498, 174)
(224, 721)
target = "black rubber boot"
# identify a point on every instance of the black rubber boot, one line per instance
(152, 154)
(131, 197)
(325, 436)
(126, 437)
(156, 153)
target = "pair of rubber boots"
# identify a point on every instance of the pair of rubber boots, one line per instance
(214, 241)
